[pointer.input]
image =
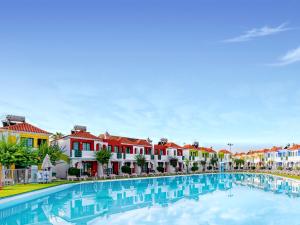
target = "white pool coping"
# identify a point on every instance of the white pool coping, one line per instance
(21, 198)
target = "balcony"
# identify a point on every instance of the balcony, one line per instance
(119, 155)
(192, 158)
(161, 157)
(83, 154)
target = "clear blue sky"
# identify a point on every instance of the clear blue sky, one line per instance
(212, 71)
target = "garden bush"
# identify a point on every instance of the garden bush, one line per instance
(195, 168)
(126, 169)
(74, 171)
(160, 169)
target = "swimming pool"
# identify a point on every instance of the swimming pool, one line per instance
(189, 200)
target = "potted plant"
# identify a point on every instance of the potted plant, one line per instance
(103, 156)
(140, 161)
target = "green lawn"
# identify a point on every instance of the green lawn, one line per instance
(23, 188)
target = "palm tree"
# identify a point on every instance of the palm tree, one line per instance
(214, 161)
(203, 163)
(187, 164)
(57, 136)
(55, 153)
(103, 156)
(140, 161)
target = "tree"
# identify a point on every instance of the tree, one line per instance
(25, 157)
(187, 164)
(140, 160)
(103, 156)
(239, 162)
(7, 151)
(173, 161)
(57, 136)
(54, 151)
(214, 161)
(203, 163)
(221, 156)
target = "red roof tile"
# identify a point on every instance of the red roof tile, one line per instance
(25, 127)
(225, 151)
(294, 147)
(84, 134)
(172, 145)
(126, 140)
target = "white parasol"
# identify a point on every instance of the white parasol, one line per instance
(47, 163)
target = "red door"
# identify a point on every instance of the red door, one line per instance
(116, 168)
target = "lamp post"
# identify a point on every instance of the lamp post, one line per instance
(230, 145)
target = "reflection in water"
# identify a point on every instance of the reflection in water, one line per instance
(85, 202)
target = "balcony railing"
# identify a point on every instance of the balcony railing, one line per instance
(192, 158)
(77, 153)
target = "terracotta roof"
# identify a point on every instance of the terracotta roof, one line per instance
(126, 140)
(172, 145)
(225, 151)
(189, 147)
(25, 127)
(204, 149)
(295, 147)
(209, 150)
(84, 134)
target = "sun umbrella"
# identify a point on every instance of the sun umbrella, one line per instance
(47, 163)
(131, 166)
(79, 165)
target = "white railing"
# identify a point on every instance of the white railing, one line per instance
(84, 154)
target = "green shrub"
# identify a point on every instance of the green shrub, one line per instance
(209, 167)
(160, 169)
(173, 162)
(126, 169)
(195, 168)
(253, 167)
(280, 168)
(74, 171)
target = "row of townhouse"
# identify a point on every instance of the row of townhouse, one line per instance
(286, 157)
(80, 145)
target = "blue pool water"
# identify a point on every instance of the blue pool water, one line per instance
(190, 200)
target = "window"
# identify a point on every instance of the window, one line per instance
(161, 152)
(75, 145)
(28, 142)
(128, 150)
(174, 152)
(116, 149)
(41, 142)
(141, 151)
(135, 150)
(109, 148)
(86, 146)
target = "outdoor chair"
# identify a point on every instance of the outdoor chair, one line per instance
(72, 178)
(84, 177)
